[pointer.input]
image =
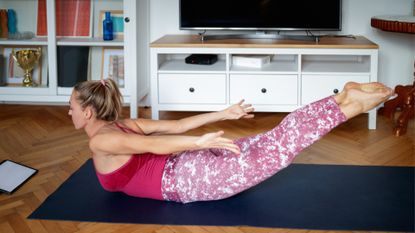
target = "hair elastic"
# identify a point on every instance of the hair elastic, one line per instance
(103, 82)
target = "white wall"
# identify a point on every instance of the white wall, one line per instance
(396, 53)
(397, 50)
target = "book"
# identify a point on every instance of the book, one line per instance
(73, 18)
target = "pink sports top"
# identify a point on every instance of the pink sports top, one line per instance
(140, 176)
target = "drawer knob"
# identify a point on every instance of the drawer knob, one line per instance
(127, 19)
(335, 91)
(264, 90)
(192, 89)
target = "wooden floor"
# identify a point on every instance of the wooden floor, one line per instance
(43, 137)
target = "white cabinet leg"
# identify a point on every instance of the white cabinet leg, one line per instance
(154, 114)
(372, 119)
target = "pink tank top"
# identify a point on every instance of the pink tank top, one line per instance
(140, 176)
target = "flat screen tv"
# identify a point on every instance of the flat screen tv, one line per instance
(260, 15)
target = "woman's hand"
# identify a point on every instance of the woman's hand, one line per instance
(238, 111)
(214, 140)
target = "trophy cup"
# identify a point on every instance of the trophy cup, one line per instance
(27, 60)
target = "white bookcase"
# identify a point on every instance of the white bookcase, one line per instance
(299, 73)
(134, 43)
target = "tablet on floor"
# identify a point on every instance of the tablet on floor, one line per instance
(13, 175)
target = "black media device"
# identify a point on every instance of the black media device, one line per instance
(201, 59)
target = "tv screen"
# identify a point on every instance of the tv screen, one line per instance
(260, 15)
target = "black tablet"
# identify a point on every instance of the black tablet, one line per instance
(13, 175)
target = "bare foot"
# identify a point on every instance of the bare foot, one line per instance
(358, 98)
(366, 87)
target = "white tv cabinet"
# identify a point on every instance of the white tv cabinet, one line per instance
(300, 72)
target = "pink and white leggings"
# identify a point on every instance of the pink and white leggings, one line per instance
(214, 174)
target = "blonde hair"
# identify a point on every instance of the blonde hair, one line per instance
(103, 96)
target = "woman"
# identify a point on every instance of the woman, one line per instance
(146, 158)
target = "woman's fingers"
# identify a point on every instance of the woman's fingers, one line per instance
(215, 140)
(240, 102)
(219, 133)
(225, 143)
(248, 116)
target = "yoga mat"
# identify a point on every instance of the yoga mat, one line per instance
(330, 197)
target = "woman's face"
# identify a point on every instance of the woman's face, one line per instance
(77, 113)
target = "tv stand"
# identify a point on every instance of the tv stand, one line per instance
(248, 36)
(299, 73)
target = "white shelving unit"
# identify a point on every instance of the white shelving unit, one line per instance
(299, 73)
(135, 38)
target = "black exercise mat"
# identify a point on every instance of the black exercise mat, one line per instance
(330, 197)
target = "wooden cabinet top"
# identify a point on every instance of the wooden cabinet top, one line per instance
(193, 41)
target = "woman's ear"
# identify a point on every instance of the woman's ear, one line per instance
(88, 113)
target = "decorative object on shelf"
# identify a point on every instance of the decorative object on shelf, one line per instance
(113, 65)
(12, 28)
(11, 22)
(107, 25)
(21, 35)
(13, 74)
(117, 19)
(27, 60)
(73, 18)
(72, 65)
(3, 23)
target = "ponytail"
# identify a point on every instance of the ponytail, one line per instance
(103, 96)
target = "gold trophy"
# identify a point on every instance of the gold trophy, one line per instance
(27, 60)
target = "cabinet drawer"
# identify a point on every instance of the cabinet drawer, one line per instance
(264, 89)
(315, 87)
(192, 88)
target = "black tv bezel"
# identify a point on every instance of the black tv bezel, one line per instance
(261, 28)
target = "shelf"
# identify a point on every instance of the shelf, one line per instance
(65, 90)
(348, 67)
(280, 67)
(68, 91)
(179, 66)
(34, 41)
(131, 37)
(394, 23)
(12, 90)
(89, 42)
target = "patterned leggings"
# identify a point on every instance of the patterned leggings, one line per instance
(215, 174)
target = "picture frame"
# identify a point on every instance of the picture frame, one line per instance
(13, 73)
(117, 17)
(112, 65)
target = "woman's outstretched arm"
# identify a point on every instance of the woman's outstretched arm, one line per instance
(114, 143)
(161, 127)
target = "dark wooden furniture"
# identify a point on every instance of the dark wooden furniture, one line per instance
(406, 94)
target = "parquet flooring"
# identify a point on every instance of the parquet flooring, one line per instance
(43, 137)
